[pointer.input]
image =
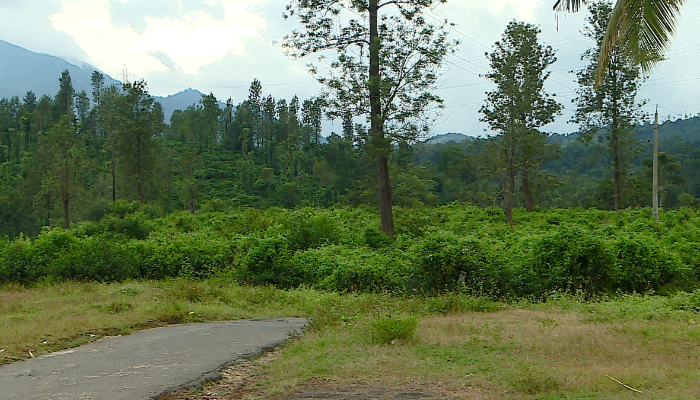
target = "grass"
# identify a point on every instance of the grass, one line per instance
(454, 345)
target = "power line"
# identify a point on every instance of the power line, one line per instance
(462, 85)
(229, 87)
(429, 13)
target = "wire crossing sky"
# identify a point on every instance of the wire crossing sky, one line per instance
(219, 46)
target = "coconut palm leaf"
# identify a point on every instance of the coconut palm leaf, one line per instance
(642, 28)
(568, 5)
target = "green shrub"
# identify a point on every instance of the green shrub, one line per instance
(344, 269)
(97, 259)
(17, 265)
(375, 238)
(268, 262)
(389, 328)
(197, 254)
(571, 259)
(439, 259)
(305, 230)
(637, 264)
(135, 225)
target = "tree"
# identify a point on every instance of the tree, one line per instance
(97, 80)
(63, 151)
(519, 106)
(382, 71)
(108, 120)
(670, 173)
(209, 124)
(641, 29)
(138, 126)
(63, 102)
(609, 112)
(82, 107)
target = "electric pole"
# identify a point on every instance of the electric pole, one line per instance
(655, 201)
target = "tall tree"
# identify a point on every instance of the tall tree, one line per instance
(609, 112)
(108, 120)
(390, 83)
(519, 106)
(209, 121)
(64, 151)
(97, 80)
(82, 108)
(138, 126)
(642, 29)
(63, 102)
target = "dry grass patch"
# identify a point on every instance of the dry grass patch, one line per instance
(511, 354)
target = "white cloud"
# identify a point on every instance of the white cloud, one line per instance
(191, 40)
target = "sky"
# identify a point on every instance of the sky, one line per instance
(220, 46)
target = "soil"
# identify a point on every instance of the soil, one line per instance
(237, 379)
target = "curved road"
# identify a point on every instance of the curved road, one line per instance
(145, 364)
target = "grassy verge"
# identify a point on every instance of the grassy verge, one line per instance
(454, 345)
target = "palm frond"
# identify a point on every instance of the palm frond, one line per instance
(643, 28)
(568, 5)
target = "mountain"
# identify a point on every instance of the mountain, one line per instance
(446, 137)
(180, 101)
(22, 70)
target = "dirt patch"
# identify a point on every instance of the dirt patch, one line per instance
(232, 385)
(359, 392)
(237, 379)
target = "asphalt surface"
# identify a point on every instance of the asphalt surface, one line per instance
(145, 364)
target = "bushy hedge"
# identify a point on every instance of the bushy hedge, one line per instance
(341, 249)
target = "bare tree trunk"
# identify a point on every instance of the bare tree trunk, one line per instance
(655, 173)
(65, 191)
(139, 184)
(616, 168)
(615, 143)
(527, 193)
(376, 125)
(48, 209)
(191, 200)
(510, 190)
(114, 177)
(66, 212)
(384, 190)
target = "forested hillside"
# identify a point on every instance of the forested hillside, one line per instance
(66, 158)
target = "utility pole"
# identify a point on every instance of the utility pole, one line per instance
(655, 201)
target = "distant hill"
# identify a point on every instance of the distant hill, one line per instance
(447, 137)
(180, 101)
(22, 70)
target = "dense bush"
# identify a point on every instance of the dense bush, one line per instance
(441, 258)
(571, 259)
(343, 250)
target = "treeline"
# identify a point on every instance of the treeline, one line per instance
(66, 159)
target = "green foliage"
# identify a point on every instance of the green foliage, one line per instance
(440, 258)
(341, 269)
(308, 229)
(96, 259)
(385, 330)
(375, 239)
(568, 251)
(571, 259)
(267, 262)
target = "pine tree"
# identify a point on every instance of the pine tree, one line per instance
(519, 106)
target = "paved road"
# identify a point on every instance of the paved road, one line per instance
(145, 364)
